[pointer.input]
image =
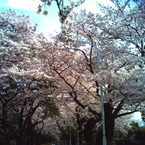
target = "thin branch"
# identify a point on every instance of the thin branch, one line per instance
(74, 95)
(127, 113)
(123, 114)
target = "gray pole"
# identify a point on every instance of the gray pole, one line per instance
(101, 90)
(100, 86)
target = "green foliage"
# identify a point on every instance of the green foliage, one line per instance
(50, 109)
(53, 110)
(117, 139)
(118, 134)
(135, 126)
(137, 132)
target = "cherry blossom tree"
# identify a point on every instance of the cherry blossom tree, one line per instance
(23, 107)
(126, 20)
(119, 32)
(74, 67)
(24, 101)
(77, 73)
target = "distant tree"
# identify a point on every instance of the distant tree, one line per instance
(122, 126)
(23, 107)
(137, 132)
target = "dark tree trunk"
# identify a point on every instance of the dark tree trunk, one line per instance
(80, 123)
(109, 122)
(143, 53)
(88, 131)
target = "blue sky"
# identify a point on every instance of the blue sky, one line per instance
(49, 23)
(46, 24)
(137, 118)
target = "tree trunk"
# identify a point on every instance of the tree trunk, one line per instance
(88, 131)
(109, 122)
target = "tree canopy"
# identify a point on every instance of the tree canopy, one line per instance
(38, 76)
